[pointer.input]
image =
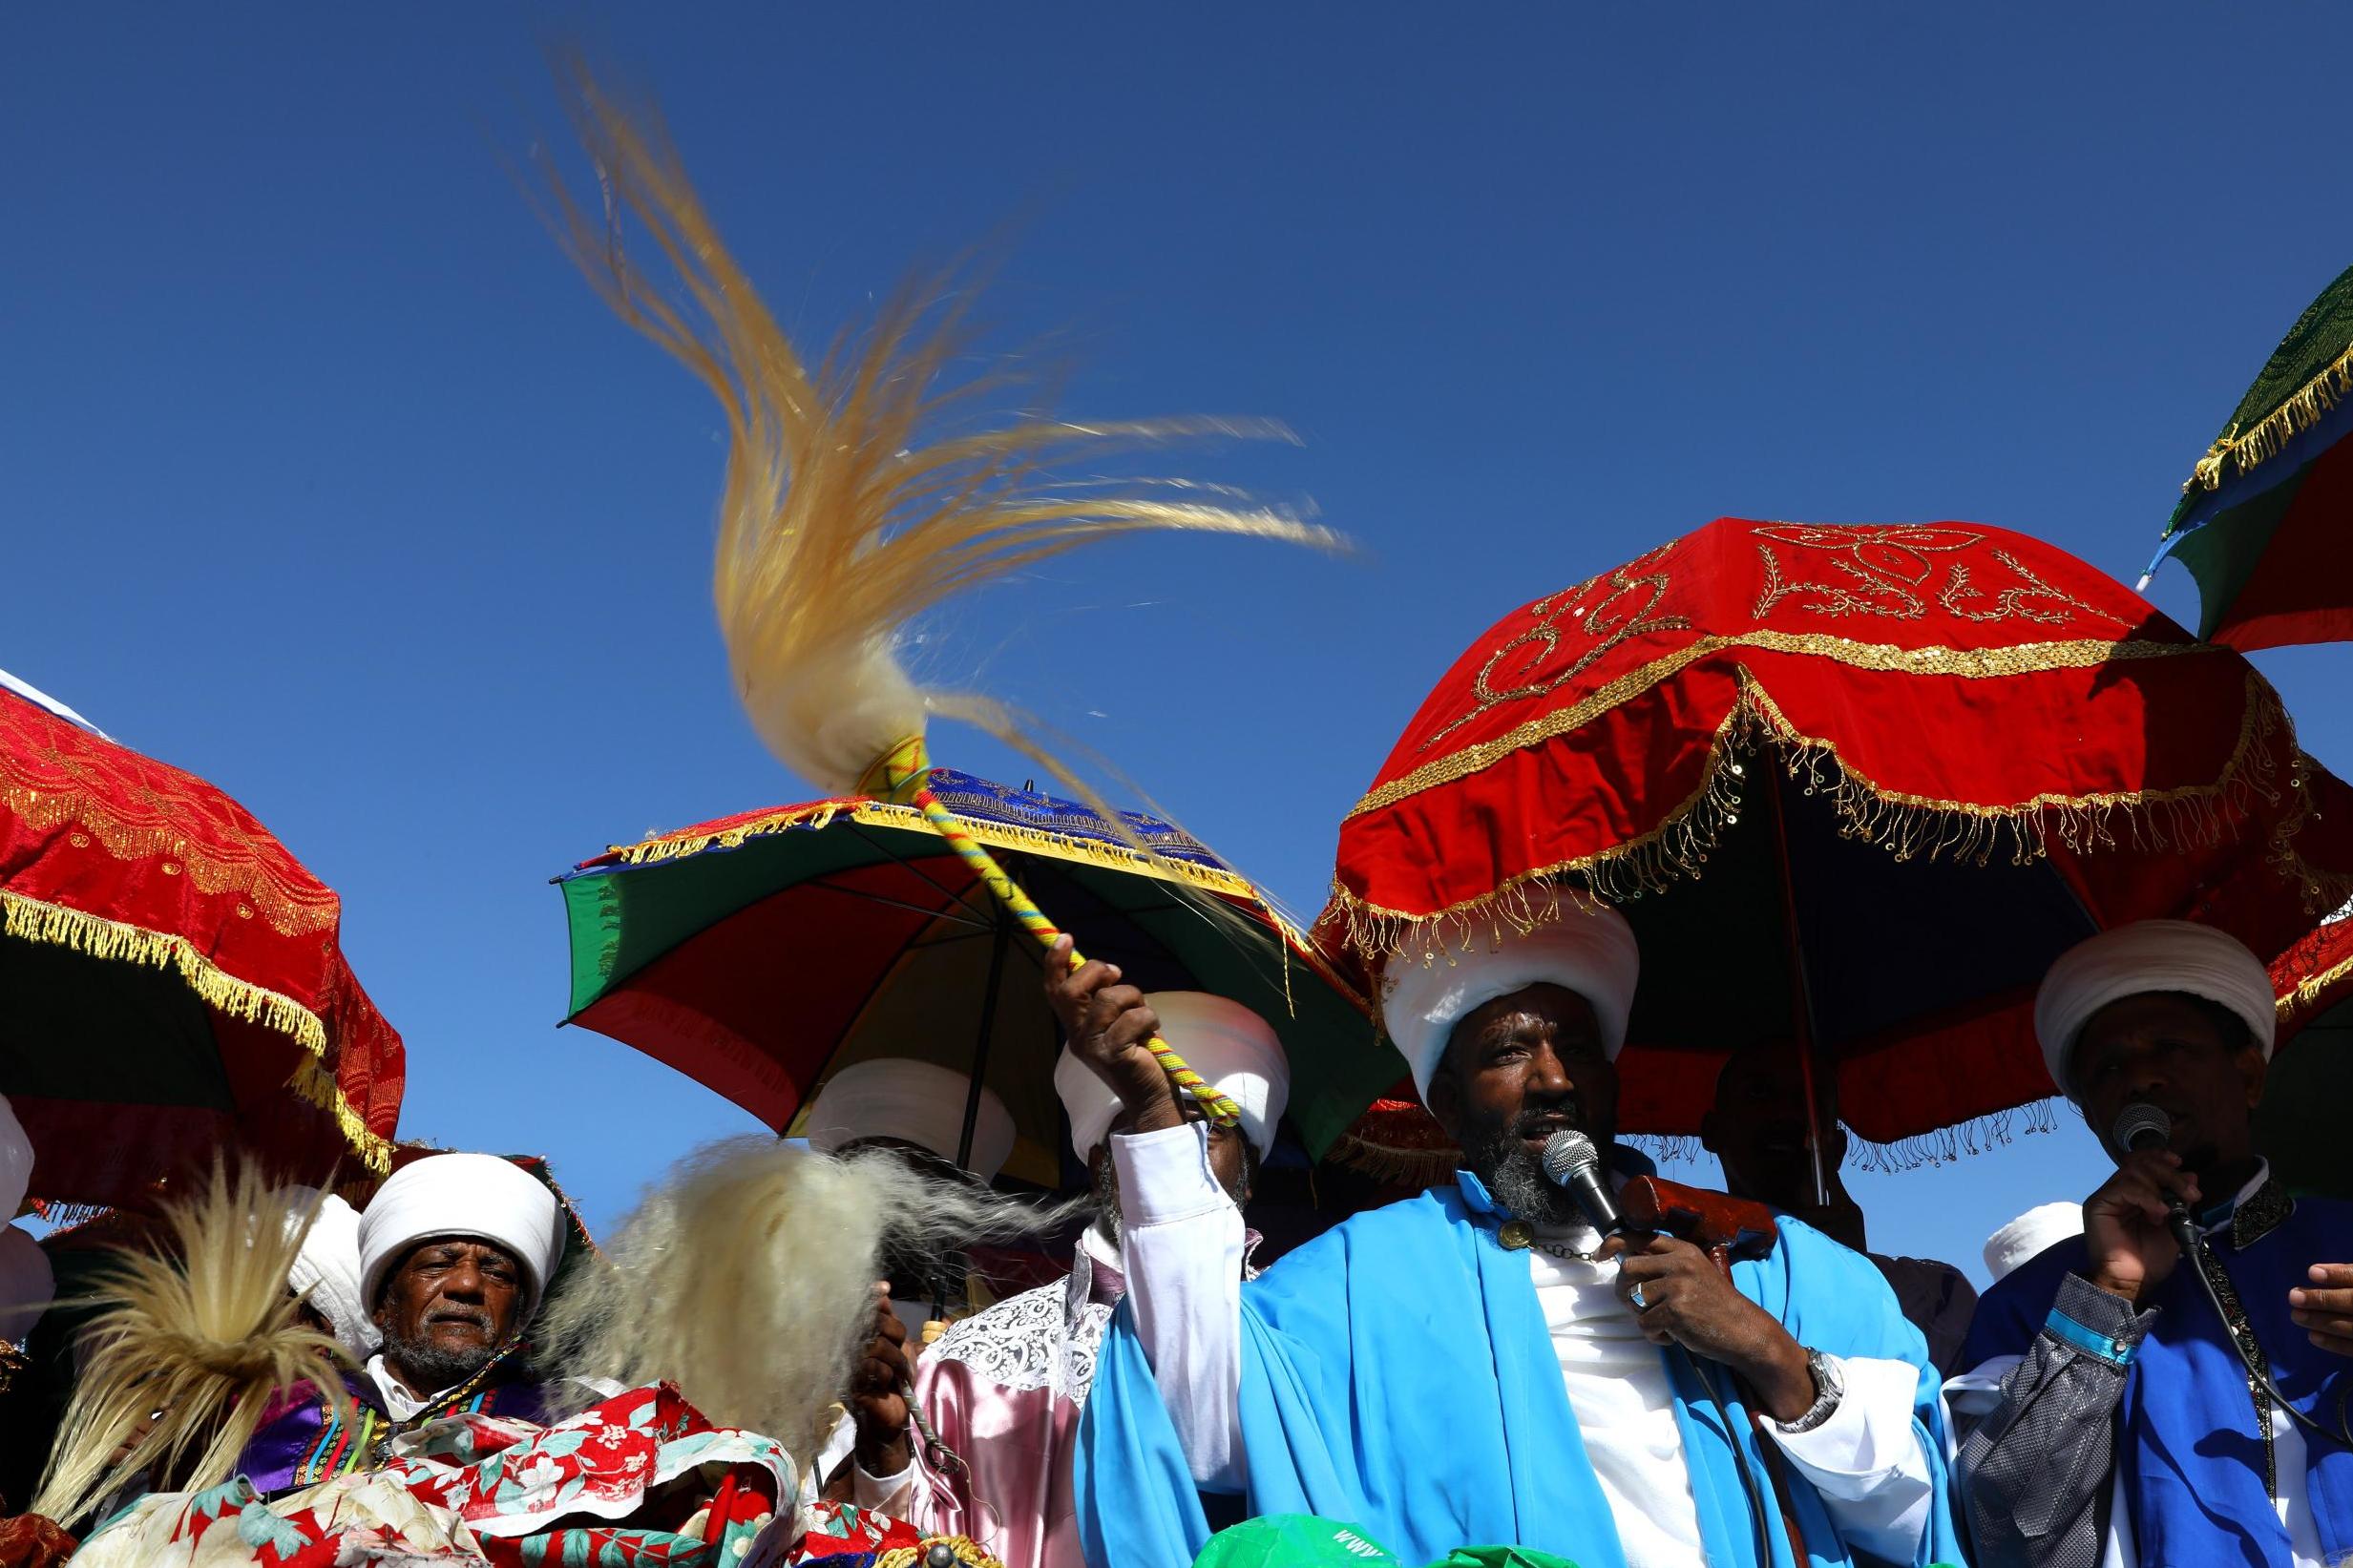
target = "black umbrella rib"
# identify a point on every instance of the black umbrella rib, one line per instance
(981, 908)
(972, 922)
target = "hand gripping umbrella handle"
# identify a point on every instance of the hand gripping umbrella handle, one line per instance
(903, 773)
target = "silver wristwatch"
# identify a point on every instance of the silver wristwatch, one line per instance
(1828, 1388)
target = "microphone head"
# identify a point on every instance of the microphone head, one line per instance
(1568, 1155)
(2139, 1125)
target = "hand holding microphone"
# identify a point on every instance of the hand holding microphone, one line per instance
(1679, 1294)
(2137, 1226)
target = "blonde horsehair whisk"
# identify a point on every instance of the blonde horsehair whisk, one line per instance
(854, 500)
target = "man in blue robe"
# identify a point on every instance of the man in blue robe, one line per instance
(1479, 1364)
(2120, 1405)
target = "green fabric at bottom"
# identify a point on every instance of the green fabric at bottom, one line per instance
(1302, 1541)
(1292, 1540)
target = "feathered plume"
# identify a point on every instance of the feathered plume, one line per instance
(845, 512)
(747, 1278)
(206, 1333)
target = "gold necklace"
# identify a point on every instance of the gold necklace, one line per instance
(1519, 1236)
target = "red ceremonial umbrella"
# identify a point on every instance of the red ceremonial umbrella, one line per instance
(169, 980)
(1853, 785)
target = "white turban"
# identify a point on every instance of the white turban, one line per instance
(2031, 1235)
(329, 1267)
(1226, 1043)
(477, 1195)
(919, 1101)
(2149, 955)
(15, 1161)
(1435, 983)
(26, 1283)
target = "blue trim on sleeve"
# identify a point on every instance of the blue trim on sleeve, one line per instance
(2108, 1348)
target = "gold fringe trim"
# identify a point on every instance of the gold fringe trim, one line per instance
(967, 1553)
(871, 813)
(1967, 663)
(316, 1084)
(32, 920)
(1906, 826)
(1943, 1146)
(2303, 411)
(1394, 1166)
(2312, 988)
(83, 806)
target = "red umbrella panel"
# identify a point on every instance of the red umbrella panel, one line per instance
(1851, 785)
(172, 980)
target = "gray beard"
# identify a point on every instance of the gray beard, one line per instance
(428, 1368)
(1515, 1179)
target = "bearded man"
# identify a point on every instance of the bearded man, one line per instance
(455, 1253)
(1477, 1364)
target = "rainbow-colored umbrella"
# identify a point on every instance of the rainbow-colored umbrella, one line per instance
(2265, 521)
(761, 953)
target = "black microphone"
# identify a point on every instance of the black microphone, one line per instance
(1573, 1162)
(2141, 1125)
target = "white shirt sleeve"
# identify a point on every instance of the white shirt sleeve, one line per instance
(1865, 1461)
(1181, 1242)
(883, 1494)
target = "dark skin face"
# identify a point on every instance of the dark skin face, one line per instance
(1530, 1064)
(455, 1293)
(1758, 1129)
(2177, 1057)
(2168, 1050)
(1758, 1126)
(1106, 1023)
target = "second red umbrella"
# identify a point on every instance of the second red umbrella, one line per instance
(1856, 785)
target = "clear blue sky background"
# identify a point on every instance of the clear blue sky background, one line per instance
(324, 477)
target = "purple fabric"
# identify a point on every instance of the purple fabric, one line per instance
(276, 1460)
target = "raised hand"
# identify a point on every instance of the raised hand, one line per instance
(2129, 1251)
(1107, 1024)
(878, 1392)
(2326, 1314)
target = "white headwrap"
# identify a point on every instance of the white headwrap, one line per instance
(919, 1101)
(2031, 1235)
(2149, 955)
(328, 1267)
(15, 1161)
(26, 1283)
(1435, 983)
(1226, 1043)
(478, 1195)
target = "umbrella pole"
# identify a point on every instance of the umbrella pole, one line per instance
(980, 1046)
(1804, 1011)
(980, 1067)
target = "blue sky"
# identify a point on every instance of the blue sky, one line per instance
(324, 477)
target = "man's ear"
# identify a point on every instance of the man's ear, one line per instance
(2254, 1071)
